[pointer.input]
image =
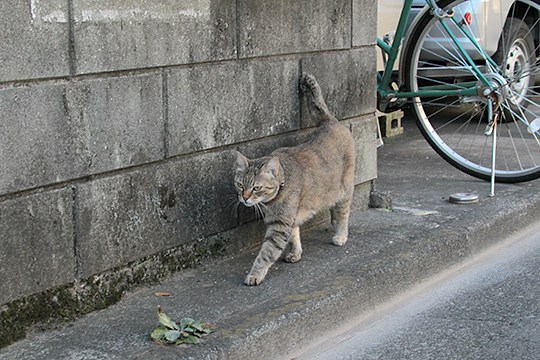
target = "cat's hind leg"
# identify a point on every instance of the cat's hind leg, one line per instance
(340, 221)
(294, 247)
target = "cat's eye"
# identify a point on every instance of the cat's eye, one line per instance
(257, 188)
(239, 185)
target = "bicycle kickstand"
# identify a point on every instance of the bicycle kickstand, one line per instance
(491, 129)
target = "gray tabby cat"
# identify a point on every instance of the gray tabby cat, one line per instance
(292, 184)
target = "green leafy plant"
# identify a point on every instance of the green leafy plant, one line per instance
(188, 331)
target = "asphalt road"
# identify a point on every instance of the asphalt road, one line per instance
(488, 308)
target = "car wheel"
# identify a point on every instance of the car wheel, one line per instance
(516, 57)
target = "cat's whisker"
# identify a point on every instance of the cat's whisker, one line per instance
(266, 209)
(234, 210)
(233, 203)
(257, 211)
(260, 210)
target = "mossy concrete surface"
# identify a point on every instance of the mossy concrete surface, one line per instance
(56, 307)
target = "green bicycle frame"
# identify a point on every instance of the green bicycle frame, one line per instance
(467, 89)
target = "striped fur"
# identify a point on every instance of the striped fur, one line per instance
(293, 184)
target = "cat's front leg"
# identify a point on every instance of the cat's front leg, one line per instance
(274, 243)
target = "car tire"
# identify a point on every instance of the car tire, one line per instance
(516, 55)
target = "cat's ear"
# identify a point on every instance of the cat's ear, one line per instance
(242, 162)
(272, 166)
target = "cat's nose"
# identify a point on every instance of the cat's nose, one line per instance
(246, 195)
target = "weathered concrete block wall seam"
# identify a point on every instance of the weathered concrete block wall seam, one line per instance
(71, 40)
(76, 232)
(165, 97)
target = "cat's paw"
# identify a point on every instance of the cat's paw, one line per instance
(253, 280)
(339, 240)
(292, 258)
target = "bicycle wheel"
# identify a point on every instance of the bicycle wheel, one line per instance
(455, 126)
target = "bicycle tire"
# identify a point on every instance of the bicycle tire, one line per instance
(454, 126)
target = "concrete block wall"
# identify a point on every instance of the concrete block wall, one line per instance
(117, 125)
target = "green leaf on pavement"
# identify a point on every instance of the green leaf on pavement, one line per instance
(159, 333)
(191, 339)
(187, 331)
(185, 322)
(172, 335)
(165, 320)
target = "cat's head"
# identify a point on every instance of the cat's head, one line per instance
(258, 180)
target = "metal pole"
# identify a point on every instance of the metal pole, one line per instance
(493, 148)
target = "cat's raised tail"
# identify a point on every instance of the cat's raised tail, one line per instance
(315, 101)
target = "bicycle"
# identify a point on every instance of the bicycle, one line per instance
(476, 105)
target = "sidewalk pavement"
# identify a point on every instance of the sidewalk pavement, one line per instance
(388, 252)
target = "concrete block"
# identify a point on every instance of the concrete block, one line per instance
(127, 34)
(55, 133)
(292, 26)
(361, 199)
(364, 130)
(364, 20)
(390, 123)
(347, 81)
(137, 214)
(35, 40)
(262, 147)
(219, 104)
(35, 148)
(37, 243)
(116, 122)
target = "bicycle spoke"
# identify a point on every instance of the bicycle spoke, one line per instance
(457, 126)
